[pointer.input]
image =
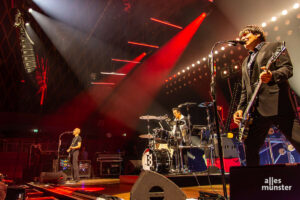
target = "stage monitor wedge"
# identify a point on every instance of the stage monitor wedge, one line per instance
(151, 185)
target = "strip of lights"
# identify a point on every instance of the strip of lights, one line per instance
(102, 83)
(166, 23)
(283, 13)
(143, 44)
(127, 61)
(264, 24)
(113, 73)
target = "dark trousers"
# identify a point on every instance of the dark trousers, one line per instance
(176, 160)
(258, 131)
(74, 165)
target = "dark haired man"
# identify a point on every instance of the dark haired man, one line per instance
(274, 103)
(74, 152)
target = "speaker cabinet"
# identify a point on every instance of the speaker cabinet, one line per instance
(151, 185)
(276, 182)
(53, 177)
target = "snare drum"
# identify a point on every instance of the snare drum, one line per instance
(158, 160)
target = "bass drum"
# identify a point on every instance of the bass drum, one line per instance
(158, 160)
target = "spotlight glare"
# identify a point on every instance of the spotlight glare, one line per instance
(178, 73)
(216, 52)
(30, 10)
(27, 24)
(284, 12)
(198, 62)
(210, 55)
(273, 19)
(222, 48)
(193, 65)
(204, 59)
(296, 5)
(188, 68)
(183, 71)
(264, 24)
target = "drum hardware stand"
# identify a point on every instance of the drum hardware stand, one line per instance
(188, 133)
(211, 141)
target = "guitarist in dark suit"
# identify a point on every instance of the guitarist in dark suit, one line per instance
(274, 103)
(73, 150)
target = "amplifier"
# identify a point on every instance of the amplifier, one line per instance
(109, 164)
(84, 167)
(110, 167)
(230, 149)
(103, 156)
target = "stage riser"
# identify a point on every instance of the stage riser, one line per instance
(182, 180)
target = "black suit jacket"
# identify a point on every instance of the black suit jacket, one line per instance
(274, 97)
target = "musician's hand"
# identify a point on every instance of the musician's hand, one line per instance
(68, 150)
(266, 75)
(237, 116)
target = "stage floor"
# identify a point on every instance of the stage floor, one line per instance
(113, 187)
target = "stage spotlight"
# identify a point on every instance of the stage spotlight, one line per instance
(193, 65)
(204, 59)
(216, 52)
(222, 48)
(30, 10)
(296, 5)
(27, 24)
(183, 71)
(284, 12)
(178, 73)
(264, 24)
(188, 68)
(198, 62)
(225, 73)
(273, 19)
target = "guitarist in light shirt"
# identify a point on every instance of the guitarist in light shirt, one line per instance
(73, 150)
(274, 104)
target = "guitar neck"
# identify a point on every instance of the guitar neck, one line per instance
(250, 104)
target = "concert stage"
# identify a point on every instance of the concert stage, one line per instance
(190, 184)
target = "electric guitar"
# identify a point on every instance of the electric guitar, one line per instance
(247, 119)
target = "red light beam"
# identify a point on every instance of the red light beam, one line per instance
(136, 92)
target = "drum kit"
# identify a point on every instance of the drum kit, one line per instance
(166, 143)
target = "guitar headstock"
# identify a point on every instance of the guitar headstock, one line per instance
(276, 54)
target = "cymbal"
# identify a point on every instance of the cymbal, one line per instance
(172, 123)
(186, 104)
(205, 104)
(200, 127)
(148, 117)
(146, 136)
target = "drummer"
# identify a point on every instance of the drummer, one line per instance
(180, 132)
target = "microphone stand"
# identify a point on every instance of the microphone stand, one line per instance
(58, 148)
(213, 94)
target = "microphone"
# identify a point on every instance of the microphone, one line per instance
(67, 132)
(236, 42)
